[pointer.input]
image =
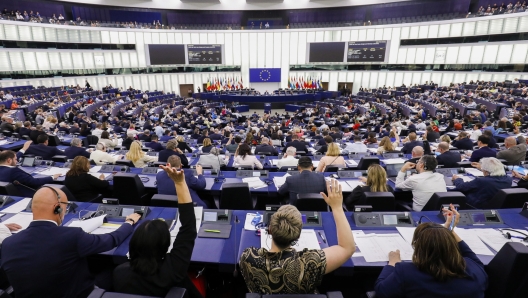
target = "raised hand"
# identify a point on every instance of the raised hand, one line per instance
(176, 175)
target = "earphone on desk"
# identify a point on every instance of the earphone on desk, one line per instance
(508, 235)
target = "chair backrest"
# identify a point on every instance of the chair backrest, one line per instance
(288, 168)
(236, 196)
(444, 198)
(333, 169)
(381, 201)
(365, 162)
(508, 198)
(53, 140)
(507, 270)
(125, 162)
(164, 200)
(244, 167)
(129, 189)
(9, 189)
(59, 158)
(311, 202)
(92, 140)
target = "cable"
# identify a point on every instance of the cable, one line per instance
(420, 220)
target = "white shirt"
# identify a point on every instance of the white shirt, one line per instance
(422, 185)
(8, 96)
(4, 232)
(420, 126)
(475, 134)
(249, 160)
(356, 147)
(97, 132)
(288, 161)
(101, 157)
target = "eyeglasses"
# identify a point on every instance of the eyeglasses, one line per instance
(69, 204)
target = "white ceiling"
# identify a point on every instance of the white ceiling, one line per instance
(232, 4)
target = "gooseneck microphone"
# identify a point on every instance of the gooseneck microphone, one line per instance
(18, 183)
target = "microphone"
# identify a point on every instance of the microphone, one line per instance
(18, 183)
(235, 271)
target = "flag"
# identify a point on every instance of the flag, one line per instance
(241, 83)
(289, 82)
(208, 84)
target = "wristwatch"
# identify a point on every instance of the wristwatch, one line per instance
(131, 220)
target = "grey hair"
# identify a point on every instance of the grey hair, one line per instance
(75, 142)
(291, 150)
(214, 151)
(493, 166)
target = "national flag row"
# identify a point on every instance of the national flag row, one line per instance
(233, 83)
(305, 83)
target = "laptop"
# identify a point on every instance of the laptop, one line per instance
(448, 174)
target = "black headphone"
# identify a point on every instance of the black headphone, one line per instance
(508, 235)
(58, 208)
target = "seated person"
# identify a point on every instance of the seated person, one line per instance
(41, 149)
(376, 181)
(213, 160)
(207, 145)
(463, 142)
(145, 136)
(152, 271)
(514, 154)
(357, 146)
(386, 146)
(483, 151)
(105, 139)
(244, 157)
(424, 184)
(454, 271)
(271, 270)
(232, 143)
(101, 157)
(76, 149)
(128, 141)
(138, 157)
(306, 182)
(166, 187)
(266, 146)
(299, 145)
(172, 149)
(431, 135)
(448, 159)
(154, 144)
(411, 143)
(481, 190)
(523, 179)
(9, 172)
(327, 140)
(332, 158)
(288, 160)
(182, 145)
(83, 186)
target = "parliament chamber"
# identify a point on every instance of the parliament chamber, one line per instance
(263, 148)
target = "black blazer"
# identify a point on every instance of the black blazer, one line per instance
(408, 147)
(358, 197)
(299, 146)
(463, 144)
(184, 146)
(305, 182)
(72, 152)
(33, 135)
(24, 131)
(449, 159)
(127, 142)
(57, 258)
(266, 148)
(172, 270)
(47, 152)
(164, 155)
(85, 187)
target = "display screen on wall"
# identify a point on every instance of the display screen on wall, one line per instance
(166, 54)
(326, 52)
(204, 54)
(366, 51)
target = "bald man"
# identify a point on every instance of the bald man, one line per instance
(48, 259)
(514, 153)
(266, 146)
(416, 153)
(448, 159)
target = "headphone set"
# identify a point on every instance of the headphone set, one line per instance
(508, 235)
(58, 209)
(262, 225)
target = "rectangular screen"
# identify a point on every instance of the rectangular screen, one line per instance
(166, 54)
(366, 51)
(204, 53)
(326, 52)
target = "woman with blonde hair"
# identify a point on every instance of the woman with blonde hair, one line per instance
(182, 145)
(376, 181)
(445, 138)
(138, 157)
(385, 146)
(207, 145)
(332, 158)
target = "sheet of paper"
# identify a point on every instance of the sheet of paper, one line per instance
(354, 183)
(248, 226)
(53, 171)
(96, 175)
(407, 233)
(376, 247)
(88, 225)
(315, 163)
(473, 241)
(3, 142)
(466, 178)
(492, 238)
(474, 172)
(274, 162)
(345, 187)
(198, 214)
(106, 228)
(95, 169)
(393, 161)
(18, 206)
(351, 162)
(23, 219)
(279, 181)
(254, 182)
(308, 240)
(373, 150)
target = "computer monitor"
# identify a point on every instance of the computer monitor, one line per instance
(393, 169)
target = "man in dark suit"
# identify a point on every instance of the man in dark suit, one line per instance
(166, 185)
(299, 145)
(64, 128)
(463, 142)
(408, 147)
(75, 150)
(216, 136)
(145, 136)
(56, 254)
(33, 135)
(266, 146)
(483, 151)
(153, 144)
(306, 182)
(447, 158)
(75, 128)
(9, 172)
(172, 149)
(205, 134)
(7, 125)
(41, 149)
(26, 129)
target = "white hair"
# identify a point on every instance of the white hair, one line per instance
(493, 166)
(291, 150)
(100, 146)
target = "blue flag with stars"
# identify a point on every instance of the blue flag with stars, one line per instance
(264, 75)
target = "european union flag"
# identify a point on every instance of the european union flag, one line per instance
(264, 75)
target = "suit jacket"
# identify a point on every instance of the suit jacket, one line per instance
(127, 142)
(305, 182)
(75, 130)
(449, 159)
(10, 174)
(514, 155)
(485, 151)
(47, 152)
(72, 152)
(24, 131)
(266, 148)
(408, 147)
(166, 185)
(33, 135)
(463, 144)
(215, 136)
(57, 258)
(299, 146)
(154, 146)
(481, 190)
(164, 155)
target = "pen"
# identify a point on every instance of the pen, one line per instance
(322, 237)
(212, 231)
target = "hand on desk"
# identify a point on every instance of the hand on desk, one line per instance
(56, 176)
(363, 179)
(133, 217)
(13, 227)
(394, 257)
(517, 174)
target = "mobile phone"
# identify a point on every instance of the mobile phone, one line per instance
(452, 225)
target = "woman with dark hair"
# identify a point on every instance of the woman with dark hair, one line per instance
(442, 266)
(371, 139)
(450, 127)
(105, 139)
(243, 157)
(85, 130)
(81, 183)
(151, 270)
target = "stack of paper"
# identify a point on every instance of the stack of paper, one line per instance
(53, 171)
(105, 229)
(248, 225)
(279, 181)
(88, 225)
(23, 219)
(473, 241)
(95, 169)
(393, 161)
(466, 178)
(274, 162)
(254, 182)
(354, 183)
(3, 142)
(376, 247)
(308, 240)
(492, 238)
(474, 172)
(96, 175)
(407, 233)
(176, 228)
